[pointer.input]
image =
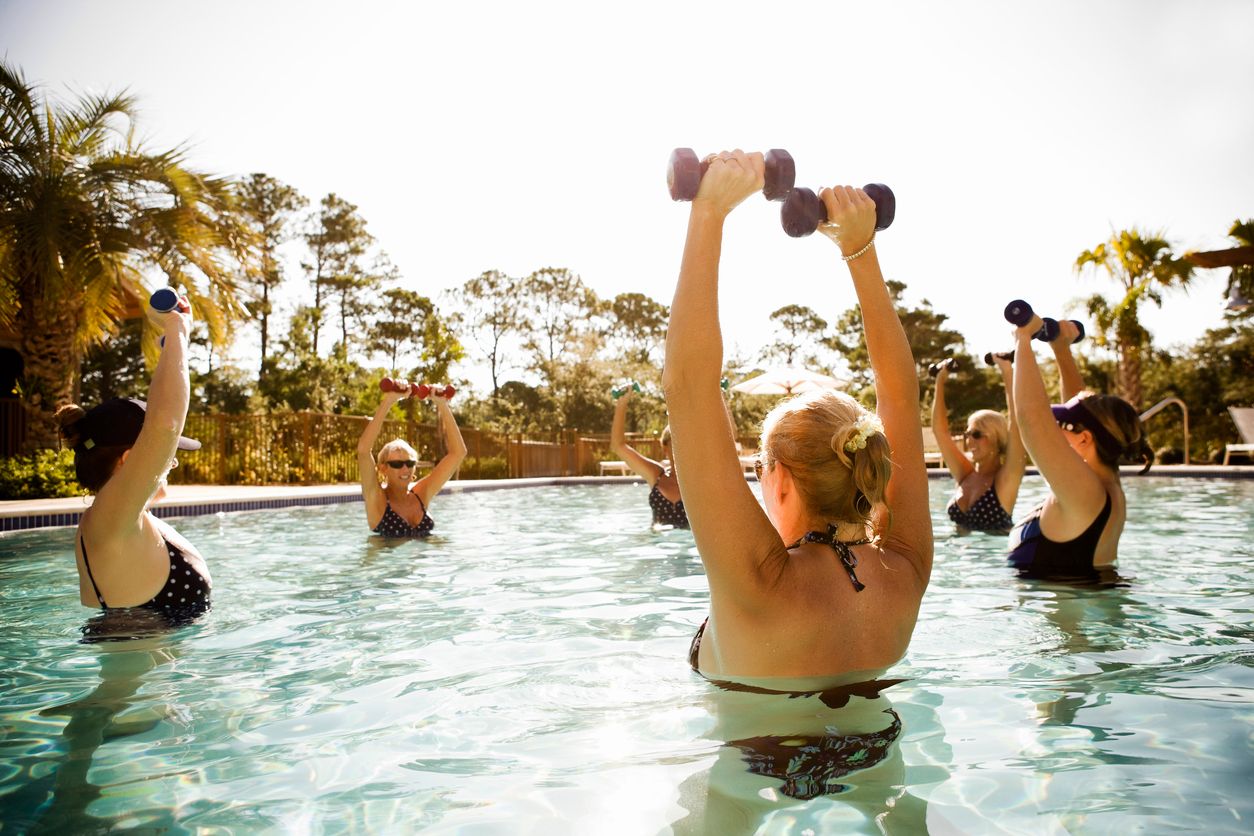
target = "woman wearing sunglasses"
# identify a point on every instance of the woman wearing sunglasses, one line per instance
(988, 480)
(1076, 446)
(800, 589)
(396, 505)
(664, 498)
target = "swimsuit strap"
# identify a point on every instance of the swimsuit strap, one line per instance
(99, 597)
(847, 558)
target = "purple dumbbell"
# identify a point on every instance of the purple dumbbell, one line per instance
(1020, 313)
(803, 210)
(684, 172)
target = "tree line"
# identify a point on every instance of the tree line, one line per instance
(90, 219)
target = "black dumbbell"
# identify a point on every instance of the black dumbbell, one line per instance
(990, 357)
(950, 363)
(803, 210)
(1020, 313)
(684, 173)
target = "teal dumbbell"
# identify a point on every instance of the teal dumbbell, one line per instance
(618, 391)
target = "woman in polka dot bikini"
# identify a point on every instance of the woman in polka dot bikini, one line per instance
(988, 480)
(396, 505)
(123, 451)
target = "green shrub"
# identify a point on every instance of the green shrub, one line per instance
(488, 467)
(45, 474)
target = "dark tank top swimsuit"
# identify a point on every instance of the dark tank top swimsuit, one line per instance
(847, 559)
(666, 512)
(1036, 556)
(392, 524)
(985, 514)
(184, 596)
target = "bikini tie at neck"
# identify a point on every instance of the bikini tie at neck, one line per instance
(847, 558)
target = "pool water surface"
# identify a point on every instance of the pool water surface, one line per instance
(523, 671)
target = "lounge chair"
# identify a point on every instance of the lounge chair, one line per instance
(1243, 417)
(931, 450)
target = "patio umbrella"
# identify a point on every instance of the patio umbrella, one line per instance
(786, 380)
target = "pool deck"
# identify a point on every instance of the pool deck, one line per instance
(198, 500)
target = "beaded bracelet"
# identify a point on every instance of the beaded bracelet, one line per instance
(860, 252)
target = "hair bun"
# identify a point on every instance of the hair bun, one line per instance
(67, 418)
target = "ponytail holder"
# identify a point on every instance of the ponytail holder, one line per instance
(867, 424)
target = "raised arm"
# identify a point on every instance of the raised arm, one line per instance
(120, 505)
(1075, 486)
(370, 490)
(959, 465)
(430, 485)
(1070, 381)
(1010, 475)
(642, 466)
(851, 224)
(733, 535)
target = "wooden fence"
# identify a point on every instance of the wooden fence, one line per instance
(318, 448)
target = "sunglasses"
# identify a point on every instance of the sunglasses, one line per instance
(397, 465)
(975, 434)
(1069, 427)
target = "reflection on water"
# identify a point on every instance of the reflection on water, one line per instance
(56, 799)
(523, 671)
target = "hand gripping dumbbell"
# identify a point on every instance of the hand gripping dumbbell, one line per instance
(950, 363)
(164, 300)
(1020, 313)
(803, 210)
(991, 357)
(684, 173)
(406, 388)
(618, 391)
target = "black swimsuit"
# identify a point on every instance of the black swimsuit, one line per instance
(184, 596)
(392, 524)
(1035, 555)
(985, 514)
(666, 512)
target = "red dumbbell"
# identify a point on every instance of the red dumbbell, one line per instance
(426, 390)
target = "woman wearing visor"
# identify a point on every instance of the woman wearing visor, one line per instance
(396, 505)
(1077, 447)
(123, 451)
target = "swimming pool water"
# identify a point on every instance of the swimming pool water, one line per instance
(523, 671)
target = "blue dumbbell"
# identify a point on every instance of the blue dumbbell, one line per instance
(163, 300)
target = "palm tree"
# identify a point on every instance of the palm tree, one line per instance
(86, 214)
(1145, 266)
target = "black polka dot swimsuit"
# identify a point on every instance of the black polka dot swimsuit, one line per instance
(184, 596)
(392, 524)
(985, 514)
(666, 512)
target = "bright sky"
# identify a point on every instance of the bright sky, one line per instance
(514, 136)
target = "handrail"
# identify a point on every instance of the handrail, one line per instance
(1159, 407)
